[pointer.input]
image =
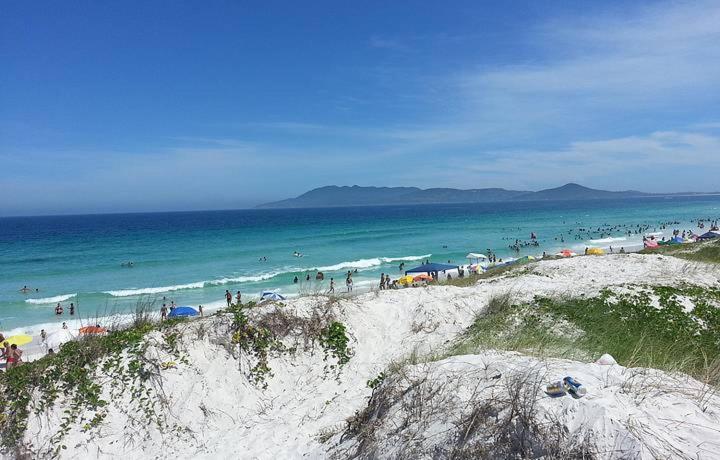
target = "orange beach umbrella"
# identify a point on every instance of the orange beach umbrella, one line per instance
(92, 330)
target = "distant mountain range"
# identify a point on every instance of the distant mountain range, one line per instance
(338, 196)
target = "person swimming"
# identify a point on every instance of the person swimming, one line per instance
(25, 290)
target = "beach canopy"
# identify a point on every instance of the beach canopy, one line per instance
(678, 239)
(269, 295)
(430, 268)
(180, 312)
(595, 251)
(566, 253)
(92, 330)
(475, 255)
(18, 340)
(709, 235)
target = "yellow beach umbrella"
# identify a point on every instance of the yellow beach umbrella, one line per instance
(18, 340)
(407, 279)
(596, 251)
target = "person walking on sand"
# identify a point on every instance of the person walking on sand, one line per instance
(200, 309)
(228, 297)
(332, 286)
(238, 298)
(163, 312)
(349, 283)
(43, 338)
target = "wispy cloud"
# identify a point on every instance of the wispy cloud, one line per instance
(388, 43)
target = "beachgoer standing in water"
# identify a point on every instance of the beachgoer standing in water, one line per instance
(228, 297)
(72, 308)
(59, 309)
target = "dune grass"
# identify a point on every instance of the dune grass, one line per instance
(646, 328)
(704, 251)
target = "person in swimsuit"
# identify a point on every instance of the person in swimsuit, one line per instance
(163, 312)
(59, 309)
(228, 297)
(72, 308)
(200, 309)
(64, 326)
(238, 298)
(13, 357)
(332, 286)
(25, 290)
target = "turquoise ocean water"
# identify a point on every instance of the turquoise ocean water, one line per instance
(193, 257)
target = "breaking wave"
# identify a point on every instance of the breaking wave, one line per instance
(361, 264)
(48, 300)
(608, 240)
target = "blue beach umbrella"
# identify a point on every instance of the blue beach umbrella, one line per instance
(268, 295)
(179, 312)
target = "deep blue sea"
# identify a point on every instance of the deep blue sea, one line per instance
(193, 257)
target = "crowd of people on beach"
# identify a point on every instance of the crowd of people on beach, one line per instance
(12, 355)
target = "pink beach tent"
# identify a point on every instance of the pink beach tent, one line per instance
(651, 244)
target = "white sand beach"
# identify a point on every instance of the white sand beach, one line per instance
(219, 413)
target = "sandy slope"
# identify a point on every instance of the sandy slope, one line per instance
(225, 416)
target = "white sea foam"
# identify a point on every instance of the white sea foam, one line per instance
(361, 264)
(246, 279)
(154, 290)
(49, 300)
(608, 240)
(369, 263)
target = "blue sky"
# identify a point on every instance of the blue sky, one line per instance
(138, 106)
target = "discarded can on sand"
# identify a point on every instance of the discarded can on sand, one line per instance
(575, 388)
(556, 389)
